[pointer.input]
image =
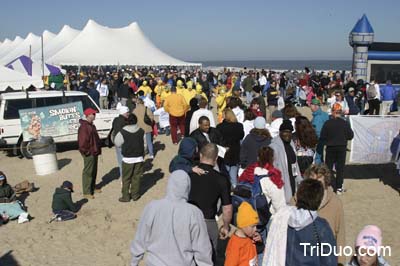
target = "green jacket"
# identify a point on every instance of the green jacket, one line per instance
(248, 83)
(62, 200)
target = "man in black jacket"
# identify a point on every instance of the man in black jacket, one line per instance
(63, 207)
(206, 134)
(334, 134)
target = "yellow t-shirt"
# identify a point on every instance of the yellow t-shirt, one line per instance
(146, 89)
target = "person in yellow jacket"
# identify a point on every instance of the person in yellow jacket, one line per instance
(200, 93)
(159, 89)
(145, 88)
(175, 105)
(165, 93)
(221, 104)
(179, 87)
(189, 93)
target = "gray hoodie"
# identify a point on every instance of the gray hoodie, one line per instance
(172, 231)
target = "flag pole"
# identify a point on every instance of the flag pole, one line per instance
(42, 58)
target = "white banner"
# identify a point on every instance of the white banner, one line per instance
(372, 138)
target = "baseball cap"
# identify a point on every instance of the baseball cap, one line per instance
(351, 89)
(89, 111)
(315, 101)
(68, 184)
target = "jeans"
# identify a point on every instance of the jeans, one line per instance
(64, 215)
(233, 173)
(149, 141)
(319, 153)
(103, 102)
(118, 152)
(249, 97)
(336, 156)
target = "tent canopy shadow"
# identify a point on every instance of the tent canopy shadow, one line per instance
(386, 173)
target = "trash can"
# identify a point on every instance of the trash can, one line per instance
(44, 155)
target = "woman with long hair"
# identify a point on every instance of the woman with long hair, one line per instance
(232, 133)
(305, 139)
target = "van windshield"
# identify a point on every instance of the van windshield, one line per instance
(86, 102)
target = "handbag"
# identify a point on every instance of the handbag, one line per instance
(146, 118)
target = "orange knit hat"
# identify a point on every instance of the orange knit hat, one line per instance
(246, 215)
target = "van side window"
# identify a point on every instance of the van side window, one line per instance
(86, 102)
(12, 107)
(48, 101)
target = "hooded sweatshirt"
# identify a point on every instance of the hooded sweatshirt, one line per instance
(62, 200)
(250, 146)
(183, 161)
(172, 231)
(291, 227)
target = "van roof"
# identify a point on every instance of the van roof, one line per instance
(38, 94)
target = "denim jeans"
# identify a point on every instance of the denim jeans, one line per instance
(233, 173)
(149, 141)
(249, 97)
(119, 159)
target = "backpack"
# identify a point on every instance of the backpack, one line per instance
(371, 92)
(252, 193)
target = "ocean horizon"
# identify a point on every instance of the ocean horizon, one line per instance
(281, 64)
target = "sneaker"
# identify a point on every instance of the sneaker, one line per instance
(151, 156)
(340, 191)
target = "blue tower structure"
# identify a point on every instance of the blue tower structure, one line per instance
(360, 38)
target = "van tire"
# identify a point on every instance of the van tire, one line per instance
(24, 149)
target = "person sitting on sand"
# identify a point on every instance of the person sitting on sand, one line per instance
(10, 207)
(63, 207)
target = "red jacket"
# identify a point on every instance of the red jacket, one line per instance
(88, 139)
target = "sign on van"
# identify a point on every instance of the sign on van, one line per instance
(55, 121)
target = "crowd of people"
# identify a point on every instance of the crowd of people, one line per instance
(258, 138)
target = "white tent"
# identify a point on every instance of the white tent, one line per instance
(16, 80)
(62, 39)
(8, 45)
(29, 45)
(99, 45)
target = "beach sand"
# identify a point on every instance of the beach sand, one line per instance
(102, 233)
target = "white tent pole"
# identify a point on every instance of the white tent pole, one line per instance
(42, 58)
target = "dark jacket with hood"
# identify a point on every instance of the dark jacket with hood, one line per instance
(62, 200)
(307, 227)
(88, 139)
(183, 161)
(250, 146)
(118, 123)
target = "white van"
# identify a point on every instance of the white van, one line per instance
(11, 102)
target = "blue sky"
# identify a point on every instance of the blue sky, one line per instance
(217, 30)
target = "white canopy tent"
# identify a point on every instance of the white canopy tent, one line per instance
(30, 44)
(100, 45)
(9, 45)
(17, 80)
(62, 39)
